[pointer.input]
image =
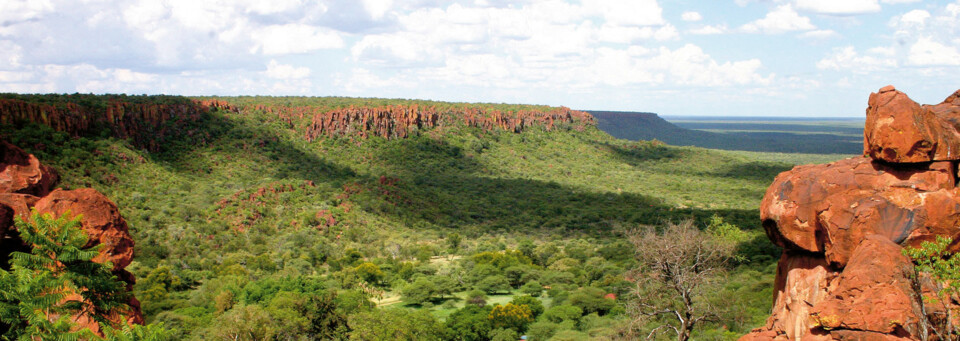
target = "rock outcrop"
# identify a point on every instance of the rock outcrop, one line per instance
(843, 226)
(27, 184)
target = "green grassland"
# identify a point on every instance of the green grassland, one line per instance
(255, 214)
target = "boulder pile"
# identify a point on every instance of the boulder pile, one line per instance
(842, 225)
(25, 183)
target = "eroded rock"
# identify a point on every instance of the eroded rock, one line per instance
(843, 226)
(900, 130)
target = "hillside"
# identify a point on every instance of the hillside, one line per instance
(747, 136)
(238, 204)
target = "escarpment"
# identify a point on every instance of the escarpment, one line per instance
(27, 184)
(151, 122)
(843, 226)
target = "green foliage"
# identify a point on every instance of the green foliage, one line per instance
(418, 292)
(150, 332)
(254, 213)
(535, 305)
(561, 313)
(591, 300)
(532, 288)
(395, 324)
(934, 259)
(33, 294)
(471, 323)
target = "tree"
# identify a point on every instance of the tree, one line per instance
(421, 290)
(678, 267)
(536, 307)
(395, 324)
(591, 300)
(470, 323)
(511, 316)
(494, 284)
(370, 273)
(936, 261)
(532, 288)
(34, 294)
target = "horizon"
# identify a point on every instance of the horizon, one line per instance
(746, 58)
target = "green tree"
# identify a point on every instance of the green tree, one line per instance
(395, 324)
(935, 260)
(536, 307)
(563, 312)
(532, 288)
(470, 323)
(494, 284)
(421, 290)
(370, 273)
(591, 300)
(33, 293)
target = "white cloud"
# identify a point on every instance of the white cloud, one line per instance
(819, 34)
(917, 17)
(295, 38)
(627, 13)
(691, 16)
(926, 52)
(283, 71)
(706, 30)
(377, 8)
(780, 20)
(834, 7)
(847, 59)
(894, 2)
(13, 11)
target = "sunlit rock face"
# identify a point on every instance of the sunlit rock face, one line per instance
(843, 226)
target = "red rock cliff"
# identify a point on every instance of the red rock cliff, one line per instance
(842, 225)
(26, 184)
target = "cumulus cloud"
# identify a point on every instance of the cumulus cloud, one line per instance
(283, 71)
(927, 52)
(848, 59)
(691, 16)
(708, 29)
(819, 34)
(294, 38)
(845, 7)
(782, 19)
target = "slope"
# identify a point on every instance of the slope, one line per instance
(225, 196)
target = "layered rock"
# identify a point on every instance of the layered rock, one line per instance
(26, 184)
(843, 226)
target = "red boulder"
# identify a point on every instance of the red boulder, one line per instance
(900, 130)
(22, 173)
(101, 221)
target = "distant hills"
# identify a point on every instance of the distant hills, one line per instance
(767, 134)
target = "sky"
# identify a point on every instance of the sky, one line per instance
(809, 58)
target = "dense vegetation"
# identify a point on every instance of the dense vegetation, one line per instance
(773, 136)
(247, 228)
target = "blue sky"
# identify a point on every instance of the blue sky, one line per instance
(674, 57)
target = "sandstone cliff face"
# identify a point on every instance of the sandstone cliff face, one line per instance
(843, 226)
(26, 184)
